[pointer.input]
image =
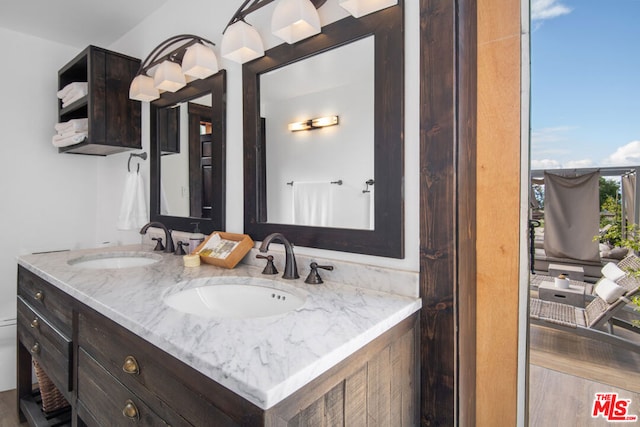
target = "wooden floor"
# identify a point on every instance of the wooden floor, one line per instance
(566, 371)
(8, 416)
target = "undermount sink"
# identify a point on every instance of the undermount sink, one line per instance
(115, 260)
(236, 298)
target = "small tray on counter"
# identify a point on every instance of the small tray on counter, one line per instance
(227, 252)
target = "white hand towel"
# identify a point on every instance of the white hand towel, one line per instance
(133, 209)
(312, 203)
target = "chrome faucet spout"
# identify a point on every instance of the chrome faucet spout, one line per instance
(290, 267)
(169, 248)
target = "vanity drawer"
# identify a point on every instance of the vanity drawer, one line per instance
(152, 374)
(50, 348)
(108, 402)
(48, 300)
(41, 329)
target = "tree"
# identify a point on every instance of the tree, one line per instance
(609, 188)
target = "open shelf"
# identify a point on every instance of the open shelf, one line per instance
(31, 407)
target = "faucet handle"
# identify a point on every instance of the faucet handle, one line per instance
(180, 248)
(314, 278)
(159, 245)
(270, 268)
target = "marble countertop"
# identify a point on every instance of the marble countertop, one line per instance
(264, 359)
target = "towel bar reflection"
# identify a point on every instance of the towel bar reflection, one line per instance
(142, 155)
(368, 183)
(338, 182)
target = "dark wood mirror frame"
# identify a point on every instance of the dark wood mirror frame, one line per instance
(387, 238)
(215, 85)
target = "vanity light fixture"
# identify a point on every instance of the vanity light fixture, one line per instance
(295, 20)
(162, 69)
(359, 8)
(292, 21)
(168, 77)
(311, 124)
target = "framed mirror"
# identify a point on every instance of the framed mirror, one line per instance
(336, 187)
(187, 131)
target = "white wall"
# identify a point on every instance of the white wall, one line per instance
(52, 201)
(48, 199)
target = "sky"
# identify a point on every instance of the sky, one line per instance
(585, 83)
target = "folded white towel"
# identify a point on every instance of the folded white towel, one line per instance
(82, 86)
(609, 291)
(133, 209)
(75, 125)
(72, 97)
(68, 133)
(76, 138)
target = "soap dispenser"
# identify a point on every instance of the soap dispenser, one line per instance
(196, 237)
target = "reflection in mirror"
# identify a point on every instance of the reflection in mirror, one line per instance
(316, 177)
(365, 150)
(175, 168)
(187, 156)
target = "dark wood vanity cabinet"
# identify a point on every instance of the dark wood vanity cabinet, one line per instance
(118, 378)
(44, 334)
(114, 119)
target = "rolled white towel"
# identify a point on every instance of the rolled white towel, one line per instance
(75, 125)
(609, 291)
(82, 86)
(77, 138)
(612, 271)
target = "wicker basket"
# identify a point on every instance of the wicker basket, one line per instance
(52, 399)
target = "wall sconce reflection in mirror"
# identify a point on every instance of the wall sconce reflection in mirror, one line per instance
(312, 124)
(171, 65)
(292, 21)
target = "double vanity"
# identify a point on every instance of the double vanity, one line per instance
(132, 336)
(128, 333)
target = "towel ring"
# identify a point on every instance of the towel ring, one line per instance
(368, 183)
(142, 155)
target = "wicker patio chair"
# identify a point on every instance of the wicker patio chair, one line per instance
(597, 318)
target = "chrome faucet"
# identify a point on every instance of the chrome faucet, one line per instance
(169, 248)
(290, 267)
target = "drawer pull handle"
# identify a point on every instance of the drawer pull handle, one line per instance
(130, 365)
(39, 295)
(130, 410)
(35, 323)
(35, 349)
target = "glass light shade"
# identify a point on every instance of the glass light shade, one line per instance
(142, 89)
(359, 8)
(324, 121)
(169, 77)
(241, 43)
(295, 20)
(199, 61)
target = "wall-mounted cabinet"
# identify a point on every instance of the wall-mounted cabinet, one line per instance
(113, 119)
